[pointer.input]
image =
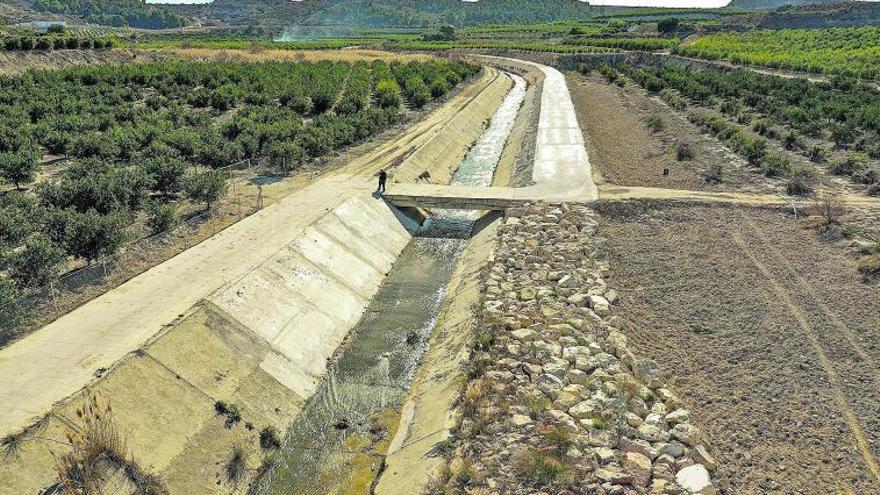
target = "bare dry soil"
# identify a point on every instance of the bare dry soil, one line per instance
(770, 335)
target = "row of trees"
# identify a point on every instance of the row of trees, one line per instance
(136, 140)
(843, 110)
(842, 51)
(118, 13)
(36, 42)
(638, 44)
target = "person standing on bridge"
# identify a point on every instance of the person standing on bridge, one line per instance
(382, 178)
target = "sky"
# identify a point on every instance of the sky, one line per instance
(645, 3)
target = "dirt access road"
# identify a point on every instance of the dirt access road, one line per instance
(59, 359)
(769, 334)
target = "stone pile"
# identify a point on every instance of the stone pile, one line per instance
(557, 403)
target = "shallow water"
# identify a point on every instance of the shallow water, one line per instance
(329, 448)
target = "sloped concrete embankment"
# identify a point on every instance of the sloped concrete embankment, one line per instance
(436, 161)
(557, 401)
(260, 344)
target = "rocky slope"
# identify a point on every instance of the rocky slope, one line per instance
(557, 403)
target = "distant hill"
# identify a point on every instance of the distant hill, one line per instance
(385, 13)
(846, 14)
(774, 4)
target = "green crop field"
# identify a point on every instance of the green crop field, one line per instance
(853, 51)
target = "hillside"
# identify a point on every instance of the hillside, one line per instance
(385, 13)
(774, 4)
(847, 14)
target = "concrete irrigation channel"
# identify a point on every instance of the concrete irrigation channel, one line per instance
(337, 442)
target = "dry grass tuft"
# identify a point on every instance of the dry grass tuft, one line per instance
(11, 444)
(542, 469)
(98, 451)
(474, 396)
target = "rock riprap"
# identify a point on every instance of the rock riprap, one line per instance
(556, 402)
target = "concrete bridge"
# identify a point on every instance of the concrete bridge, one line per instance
(561, 170)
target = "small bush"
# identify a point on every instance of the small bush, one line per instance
(851, 165)
(583, 68)
(537, 406)
(867, 177)
(463, 472)
(683, 151)
(673, 99)
(764, 128)
(800, 183)
(874, 190)
(791, 140)
(774, 165)
(473, 397)
(715, 174)
(235, 466)
(269, 438)
(654, 123)
(818, 153)
(162, 217)
(828, 207)
(231, 411)
(98, 451)
(869, 268)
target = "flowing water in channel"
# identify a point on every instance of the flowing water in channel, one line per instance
(335, 443)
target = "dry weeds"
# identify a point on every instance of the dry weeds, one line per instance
(98, 452)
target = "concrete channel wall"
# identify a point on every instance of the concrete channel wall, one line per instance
(258, 339)
(260, 342)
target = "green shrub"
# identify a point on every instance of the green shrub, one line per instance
(654, 123)
(790, 139)
(206, 187)
(35, 265)
(673, 99)
(851, 165)
(43, 43)
(800, 183)
(162, 217)
(559, 437)
(818, 153)
(763, 128)
(775, 165)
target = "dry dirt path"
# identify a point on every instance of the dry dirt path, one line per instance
(60, 358)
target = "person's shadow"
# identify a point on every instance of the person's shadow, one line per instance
(377, 194)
